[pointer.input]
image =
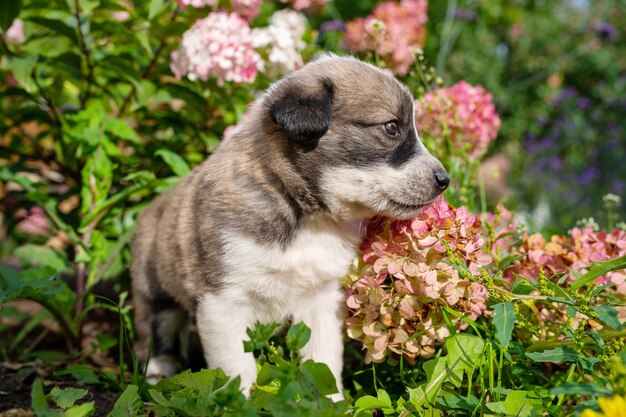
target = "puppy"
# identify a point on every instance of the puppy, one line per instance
(265, 227)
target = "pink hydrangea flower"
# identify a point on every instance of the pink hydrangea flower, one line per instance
(15, 33)
(34, 221)
(312, 6)
(462, 113)
(248, 9)
(219, 46)
(395, 31)
(398, 290)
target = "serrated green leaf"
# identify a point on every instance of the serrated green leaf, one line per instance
(504, 321)
(178, 165)
(66, 397)
(559, 354)
(128, 404)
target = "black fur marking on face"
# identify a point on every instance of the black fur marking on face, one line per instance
(304, 119)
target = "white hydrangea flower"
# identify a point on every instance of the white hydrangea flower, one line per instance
(282, 40)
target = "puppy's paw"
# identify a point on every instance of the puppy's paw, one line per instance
(160, 367)
(337, 397)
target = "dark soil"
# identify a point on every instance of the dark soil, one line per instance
(15, 386)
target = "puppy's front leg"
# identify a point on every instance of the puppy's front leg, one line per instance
(222, 323)
(323, 312)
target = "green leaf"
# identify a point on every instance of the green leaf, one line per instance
(174, 161)
(464, 354)
(36, 255)
(608, 315)
(367, 402)
(559, 354)
(504, 321)
(65, 398)
(56, 25)
(580, 388)
(121, 129)
(297, 336)
(597, 270)
(128, 404)
(22, 69)
(8, 12)
(458, 402)
(157, 7)
(519, 403)
(321, 376)
(83, 410)
(38, 400)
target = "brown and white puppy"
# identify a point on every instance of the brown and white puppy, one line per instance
(265, 227)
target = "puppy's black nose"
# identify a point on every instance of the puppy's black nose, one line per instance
(442, 180)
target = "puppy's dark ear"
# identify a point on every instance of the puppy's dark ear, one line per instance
(303, 116)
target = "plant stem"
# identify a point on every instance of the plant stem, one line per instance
(147, 71)
(551, 344)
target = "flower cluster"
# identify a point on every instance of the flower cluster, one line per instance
(248, 9)
(219, 45)
(394, 31)
(573, 254)
(398, 291)
(312, 6)
(283, 41)
(462, 113)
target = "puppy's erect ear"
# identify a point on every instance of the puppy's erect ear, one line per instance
(304, 115)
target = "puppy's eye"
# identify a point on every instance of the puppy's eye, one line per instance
(392, 129)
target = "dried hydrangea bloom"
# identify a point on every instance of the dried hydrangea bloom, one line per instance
(219, 46)
(394, 31)
(282, 40)
(398, 289)
(463, 114)
(573, 254)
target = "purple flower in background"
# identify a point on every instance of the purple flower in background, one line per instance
(332, 25)
(588, 175)
(564, 95)
(606, 31)
(464, 15)
(584, 102)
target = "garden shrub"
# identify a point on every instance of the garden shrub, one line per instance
(463, 310)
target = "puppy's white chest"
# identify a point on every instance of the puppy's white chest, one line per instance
(321, 252)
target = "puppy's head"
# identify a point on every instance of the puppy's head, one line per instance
(348, 128)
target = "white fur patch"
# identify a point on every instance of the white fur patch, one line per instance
(269, 283)
(161, 366)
